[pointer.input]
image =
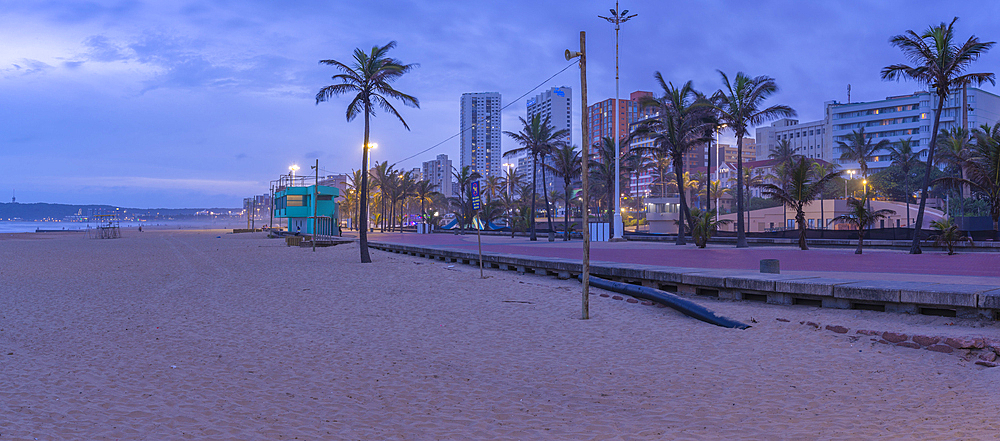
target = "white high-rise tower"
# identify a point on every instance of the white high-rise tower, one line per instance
(481, 133)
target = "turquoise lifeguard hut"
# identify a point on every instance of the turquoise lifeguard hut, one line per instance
(296, 205)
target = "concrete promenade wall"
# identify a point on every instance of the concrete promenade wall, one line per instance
(947, 299)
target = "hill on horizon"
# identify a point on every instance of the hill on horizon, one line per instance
(40, 210)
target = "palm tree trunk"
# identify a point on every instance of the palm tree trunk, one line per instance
(363, 208)
(682, 212)
(861, 239)
(545, 193)
(534, 185)
(800, 217)
(915, 246)
(568, 190)
(741, 235)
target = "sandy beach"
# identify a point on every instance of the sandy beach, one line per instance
(206, 335)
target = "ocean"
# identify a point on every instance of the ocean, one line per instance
(30, 227)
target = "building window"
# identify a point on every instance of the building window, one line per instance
(296, 200)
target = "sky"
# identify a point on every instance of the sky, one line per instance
(178, 104)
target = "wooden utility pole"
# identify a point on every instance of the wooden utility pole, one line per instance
(585, 169)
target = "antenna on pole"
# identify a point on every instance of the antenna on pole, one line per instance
(848, 94)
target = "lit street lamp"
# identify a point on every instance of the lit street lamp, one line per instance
(617, 18)
(851, 174)
(292, 169)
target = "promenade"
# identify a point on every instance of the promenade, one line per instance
(874, 264)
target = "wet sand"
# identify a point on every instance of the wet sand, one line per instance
(187, 335)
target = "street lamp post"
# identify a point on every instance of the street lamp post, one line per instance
(367, 194)
(851, 174)
(617, 18)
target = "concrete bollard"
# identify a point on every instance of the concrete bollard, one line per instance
(769, 266)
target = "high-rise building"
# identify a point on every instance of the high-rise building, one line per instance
(438, 171)
(480, 128)
(556, 104)
(600, 124)
(908, 116)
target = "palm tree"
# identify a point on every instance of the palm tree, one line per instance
(716, 191)
(463, 203)
(369, 76)
(566, 163)
(424, 192)
(940, 64)
(802, 188)
(822, 169)
(511, 180)
(948, 234)
(860, 149)
(660, 164)
(684, 119)
(956, 149)
(536, 138)
(634, 163)
(907, 160)
(705, 222)
(739, 107)
(382, 175)
(602, 171)
(751, 179)
(354, 190)
(860, 217)
(983, 169)
(784, 152)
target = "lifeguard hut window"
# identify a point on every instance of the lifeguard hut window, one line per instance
(296, 200)
(324, 197)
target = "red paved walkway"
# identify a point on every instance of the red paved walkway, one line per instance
(835, 260)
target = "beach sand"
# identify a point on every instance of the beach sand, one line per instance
(206, 335)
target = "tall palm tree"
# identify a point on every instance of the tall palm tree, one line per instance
(983, 169)
(354, 189)
(939, 63)
(739, 106)
(684, 119)
(424, 192)
(859, 148)
(861, 218)
(536, 138)
(956, 149)
(751, 179)
(368, 77)
(802, 189)
(566, 163)
(602, 172)
(907, 160)
(492, 187)
(634, 163)
(382, 175)
(822, 169)
(463, 203)
(660, 164)
(511, 180)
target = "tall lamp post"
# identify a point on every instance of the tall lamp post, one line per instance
(617, 18)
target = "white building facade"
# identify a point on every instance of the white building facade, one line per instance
(438, 171)
(481, 133)
(556, 104)
(811, 138)
(909, 116)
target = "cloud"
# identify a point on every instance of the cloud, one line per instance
(28, 67)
